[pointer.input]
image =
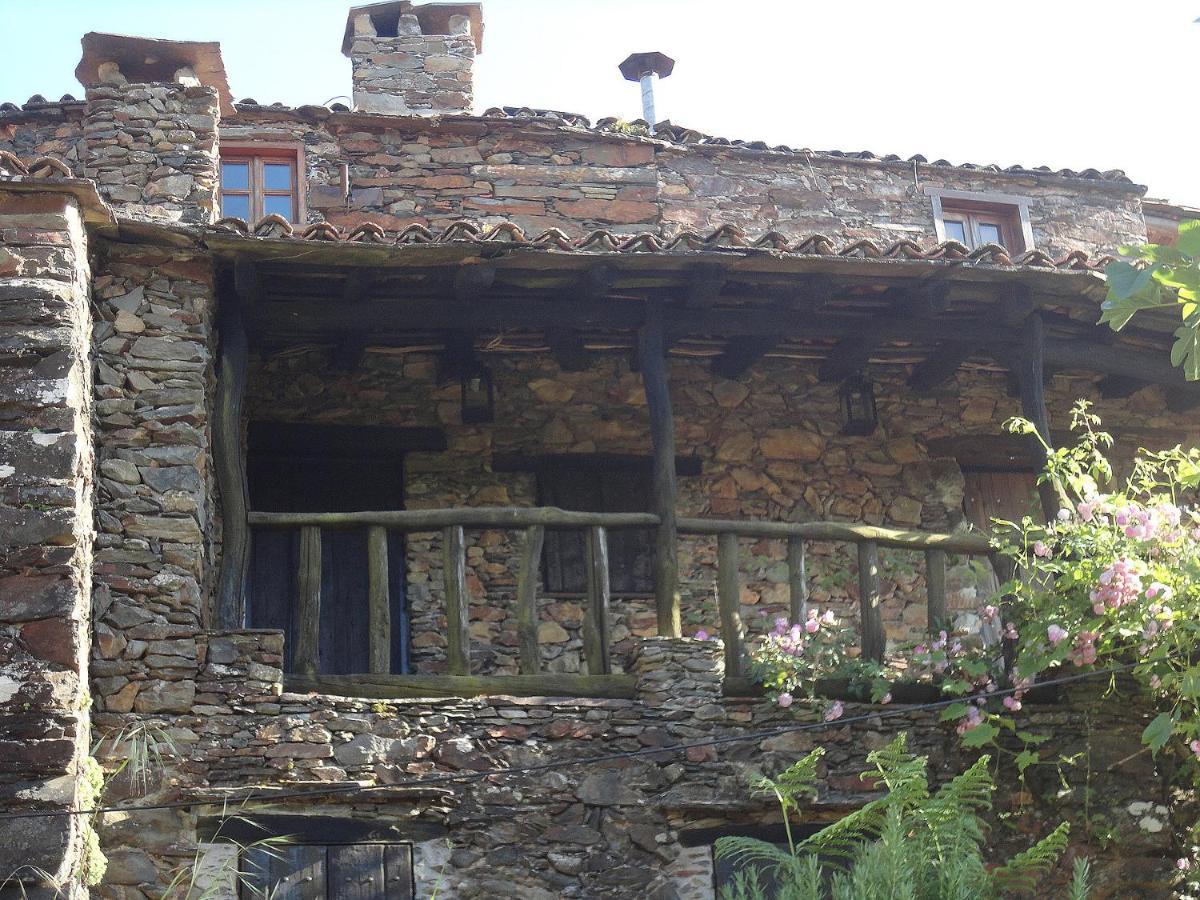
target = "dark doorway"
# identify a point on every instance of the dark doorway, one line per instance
(318, 468)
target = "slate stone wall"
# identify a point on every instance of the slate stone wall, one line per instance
(600, 829)
(46, 464)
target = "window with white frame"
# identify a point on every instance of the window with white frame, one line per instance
(979, 219)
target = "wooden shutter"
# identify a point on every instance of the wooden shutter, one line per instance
(284, 872)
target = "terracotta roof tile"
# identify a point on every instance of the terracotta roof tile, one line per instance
(726, 237)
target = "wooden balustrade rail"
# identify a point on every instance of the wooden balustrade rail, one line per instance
(867, 539)
(452, 524)
(533, 522)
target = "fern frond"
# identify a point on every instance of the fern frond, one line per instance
(1081, 879)
(751, 850)
(1022, 872)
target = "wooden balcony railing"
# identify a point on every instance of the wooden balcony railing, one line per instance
(599, 681)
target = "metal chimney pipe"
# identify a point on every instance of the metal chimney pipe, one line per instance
(642, 67)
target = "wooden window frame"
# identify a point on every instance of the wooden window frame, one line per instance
(1007, 211)
(256, 154)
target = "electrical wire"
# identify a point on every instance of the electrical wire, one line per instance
(476, 775)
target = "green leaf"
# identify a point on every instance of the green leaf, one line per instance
(1189, 237)
(981, 734)
(1025, 759)
(1159, 731)
(1189, 684)
(1030, 738)
(1117, 312)
(1125, 280)
(1185, 352)
(954, 711)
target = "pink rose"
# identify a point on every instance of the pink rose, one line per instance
(784, 700)
(812, 626)
(835, 711)
(1012, 703)
(1056, 634)
(1040, 549)
(1195, 745)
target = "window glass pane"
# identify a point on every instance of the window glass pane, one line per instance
(277, 177)
(280, 206)
(235, 176)
(956, 231)
(237, 205)
(989, 233)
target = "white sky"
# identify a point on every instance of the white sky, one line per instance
(1064, 83)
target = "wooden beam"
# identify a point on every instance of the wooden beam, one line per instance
(940, 366)
(529, 576)
(1027, 367)
(472, 281)
(414, 687)
(306, 656)
(230, 462)
(357, 285)
(740, 356)
(854, 350)
(900, 538)
(566, 346)
(797, 580)
(705, 282)
(379, 603)
(935, 586)
(596, 626)
(653, 358)
(454, 580)
(347, 353)
(729, 603)
(461, 516)
(1181, 400)
(874, 639)
(595, 282)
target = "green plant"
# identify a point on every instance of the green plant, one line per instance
(909, 843)
(1162, 277)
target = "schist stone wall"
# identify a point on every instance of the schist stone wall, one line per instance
(600, 829)
(46, 493)
(768, 445)
(417, 71)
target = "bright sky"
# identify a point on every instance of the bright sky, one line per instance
(1064, 83)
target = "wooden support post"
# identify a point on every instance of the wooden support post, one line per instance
(653, 357)
(873, 640)
(454, 578)
(379, 603)
(230, 461)
(527, 585)
(595, 618)
(729, 600)
(797, 580)
(935, 586)
(306, 656)
(1028, 367)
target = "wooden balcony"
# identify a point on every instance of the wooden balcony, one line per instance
(599, 681)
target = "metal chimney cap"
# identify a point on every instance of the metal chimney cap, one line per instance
(638, 64)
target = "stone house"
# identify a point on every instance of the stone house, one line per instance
(348, 455)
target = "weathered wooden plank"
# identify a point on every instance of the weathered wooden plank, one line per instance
(398, 870)
(705, 283)
(729, 602)
(797, 579)
(418, 686)
(472, 281)
(653, 358)
(935, 585)
(873, 638)
(528, 578)
(454, 580)
(596, 627)
(1028, 367)
(464, 517)
(230, 463)
(306, 658)
(379, 602)
(356, 872)
(965, 542)
(294, 871)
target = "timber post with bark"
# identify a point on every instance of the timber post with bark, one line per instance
(652, 356)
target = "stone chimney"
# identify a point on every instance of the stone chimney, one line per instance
(413, 60)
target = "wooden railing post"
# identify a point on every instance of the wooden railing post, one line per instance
(595, 617)
(306, 656)
(729, 600)
(379, 603)
(797, 580)
(527, 585)
(935, 585)
(454, 577)
(873, 638)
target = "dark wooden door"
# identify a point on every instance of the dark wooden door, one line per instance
(337, 872)
(332, 484)
(1000, 495)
